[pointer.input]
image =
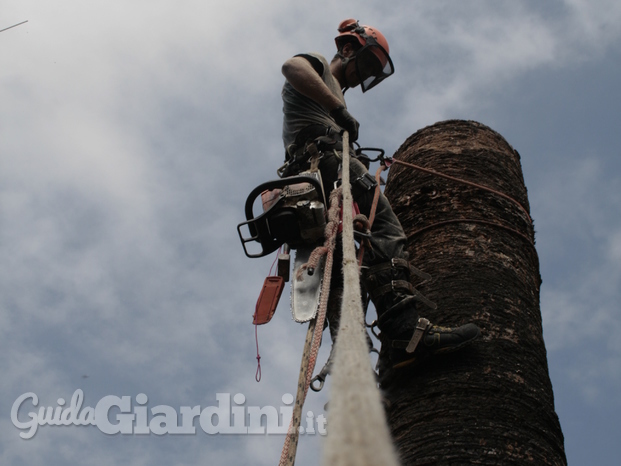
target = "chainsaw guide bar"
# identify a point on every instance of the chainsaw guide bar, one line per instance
(306, 292)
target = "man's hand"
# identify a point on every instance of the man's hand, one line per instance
(344, 119)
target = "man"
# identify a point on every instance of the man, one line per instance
(314, 107)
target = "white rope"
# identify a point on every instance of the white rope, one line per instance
(357, 430)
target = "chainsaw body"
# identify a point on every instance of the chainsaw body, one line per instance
(294, 212)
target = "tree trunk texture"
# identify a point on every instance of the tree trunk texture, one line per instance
(491, 403)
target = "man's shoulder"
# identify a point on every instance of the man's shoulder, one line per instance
(318, 61)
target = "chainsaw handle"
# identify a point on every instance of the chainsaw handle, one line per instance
(277, 184)
(258, 226)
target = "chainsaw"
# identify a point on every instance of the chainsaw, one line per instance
(293, 217)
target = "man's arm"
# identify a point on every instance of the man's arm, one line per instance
(304, 79)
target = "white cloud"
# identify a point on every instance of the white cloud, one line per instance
(615, 246)
(458, 58)
(594, 24)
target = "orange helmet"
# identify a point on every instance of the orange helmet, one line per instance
(373, 63)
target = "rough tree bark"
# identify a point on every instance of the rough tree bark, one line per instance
(491, 403)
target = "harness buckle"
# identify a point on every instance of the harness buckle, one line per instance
(421, 327)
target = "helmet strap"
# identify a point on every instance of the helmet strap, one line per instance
(344, 62)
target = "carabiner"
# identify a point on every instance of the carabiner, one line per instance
(319, 377)
(323, 373)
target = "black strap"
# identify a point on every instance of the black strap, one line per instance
(398, 263)
(310, 133)
(377, 289)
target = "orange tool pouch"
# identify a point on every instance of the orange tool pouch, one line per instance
(268, 300)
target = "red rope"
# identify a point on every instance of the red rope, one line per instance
(469, 183)
(472, 220)
(257, 375)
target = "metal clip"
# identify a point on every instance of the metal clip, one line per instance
(321, 377)
(373, 326)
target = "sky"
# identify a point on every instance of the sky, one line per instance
(131, 133)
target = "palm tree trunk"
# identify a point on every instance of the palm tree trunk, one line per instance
(491, 403)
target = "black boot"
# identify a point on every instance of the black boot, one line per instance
(409, 337)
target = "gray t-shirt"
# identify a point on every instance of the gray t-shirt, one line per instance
(300, 111)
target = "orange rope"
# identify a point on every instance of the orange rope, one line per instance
(378, 179)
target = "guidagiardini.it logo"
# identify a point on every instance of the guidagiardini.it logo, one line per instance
(122, 415)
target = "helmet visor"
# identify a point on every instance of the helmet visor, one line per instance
(373, 65)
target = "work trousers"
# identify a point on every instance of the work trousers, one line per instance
(387, 236)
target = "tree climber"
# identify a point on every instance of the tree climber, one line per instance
(314, 107)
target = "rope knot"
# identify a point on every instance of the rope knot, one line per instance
(362, 224)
